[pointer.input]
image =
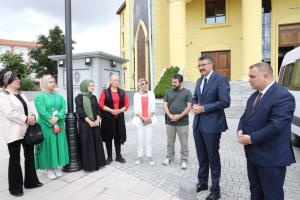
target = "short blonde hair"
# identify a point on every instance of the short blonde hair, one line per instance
(108, 84)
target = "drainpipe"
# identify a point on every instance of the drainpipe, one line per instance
(150, 46)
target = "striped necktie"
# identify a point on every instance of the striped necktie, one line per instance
(256, 101)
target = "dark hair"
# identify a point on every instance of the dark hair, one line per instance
(206, 57)
(178, 77)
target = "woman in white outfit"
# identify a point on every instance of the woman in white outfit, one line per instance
(144, 119)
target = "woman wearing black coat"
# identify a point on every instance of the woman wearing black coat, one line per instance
(89, 114)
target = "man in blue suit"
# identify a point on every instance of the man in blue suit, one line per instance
(265, 132)
(211, 97)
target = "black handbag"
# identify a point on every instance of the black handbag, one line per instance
(34, 135)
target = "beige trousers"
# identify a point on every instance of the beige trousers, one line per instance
(182, 132)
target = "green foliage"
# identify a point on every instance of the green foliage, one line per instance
(27, 85)
(15, 62)
(165, 82)
(53, 44)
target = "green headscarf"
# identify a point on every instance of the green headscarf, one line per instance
(87, 106)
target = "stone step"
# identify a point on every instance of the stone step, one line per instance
(240, 91)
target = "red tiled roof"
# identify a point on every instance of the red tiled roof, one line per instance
(17, 43)
(121, 8)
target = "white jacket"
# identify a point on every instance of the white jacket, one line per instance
(13, 117)
(137, 102)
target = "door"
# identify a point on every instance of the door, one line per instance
(221, 60)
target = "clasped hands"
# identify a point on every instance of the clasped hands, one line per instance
(94, 123)
(197, 109)
(145, 120)
(243, 138)
(53, 121)
(115, 111)
(174, 118)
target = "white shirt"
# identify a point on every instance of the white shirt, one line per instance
(207, 78)
(266, 89)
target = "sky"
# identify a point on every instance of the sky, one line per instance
(95, 24)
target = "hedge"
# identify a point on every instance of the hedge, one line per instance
(27, 85)
(165, 82)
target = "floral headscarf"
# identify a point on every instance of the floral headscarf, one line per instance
(141, 91)
(8, 77)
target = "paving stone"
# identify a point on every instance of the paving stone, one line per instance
(164, 179)
(132, 196)
(71, 188)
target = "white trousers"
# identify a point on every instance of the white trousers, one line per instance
(147, 131)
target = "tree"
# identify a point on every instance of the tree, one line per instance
(15, 62)
(53, 44)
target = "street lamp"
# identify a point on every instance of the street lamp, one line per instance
(75, 163)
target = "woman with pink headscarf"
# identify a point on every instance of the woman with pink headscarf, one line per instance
(144, 119)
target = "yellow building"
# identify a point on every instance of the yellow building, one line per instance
(236, 33)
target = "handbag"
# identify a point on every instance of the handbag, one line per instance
(59, 130)
(169, 105)
(34, 135)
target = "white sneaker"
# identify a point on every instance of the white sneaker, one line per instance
(50, 174)
(57, 172)
(151, 162)
(183, 165)
(137, 162)
(167, 162)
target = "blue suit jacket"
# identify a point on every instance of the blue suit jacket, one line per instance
(269, 127)
(215, 99)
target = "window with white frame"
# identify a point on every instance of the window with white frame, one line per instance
(215, 11)
(3, 49)
(23, 50)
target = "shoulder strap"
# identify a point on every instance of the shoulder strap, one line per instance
(169, 105)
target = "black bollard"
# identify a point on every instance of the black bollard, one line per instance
(75, 163)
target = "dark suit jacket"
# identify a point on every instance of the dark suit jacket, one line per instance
(269, 127)
(215, 99)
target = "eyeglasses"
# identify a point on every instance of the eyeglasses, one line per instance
(203, 65)
(144, 83)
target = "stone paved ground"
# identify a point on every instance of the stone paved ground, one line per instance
(234, 181)
(130, 181)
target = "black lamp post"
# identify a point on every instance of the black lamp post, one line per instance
(75, 163)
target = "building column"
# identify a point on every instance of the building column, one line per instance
(177, 25)
(252, 34)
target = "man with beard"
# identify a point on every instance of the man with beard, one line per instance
(177, 105)
(211, 97)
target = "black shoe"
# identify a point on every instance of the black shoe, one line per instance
(120, 159)
(18, 194)
(37, 185)
(201, 187)
(109, 160)
(213, 196)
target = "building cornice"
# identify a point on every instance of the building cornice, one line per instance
(95, 54)
(121, 8)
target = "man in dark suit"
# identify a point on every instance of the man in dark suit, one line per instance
(211, 97)
(265, 132)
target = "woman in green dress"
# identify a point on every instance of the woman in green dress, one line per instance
(51, 107)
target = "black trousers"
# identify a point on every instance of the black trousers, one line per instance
(117, 142)
(15, 177)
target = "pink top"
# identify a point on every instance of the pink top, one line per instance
(145, 106)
